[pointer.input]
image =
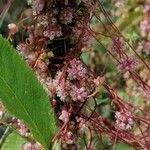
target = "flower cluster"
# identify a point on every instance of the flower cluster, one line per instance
(76, 71)
(31, 146)
(145, 27)
(52, 32)
(81, 35)
(128, 64)
(124, 120)
(118, 45)
(22, 128)
(66, 16)
(145, 30)
(64, 116)
(145, 24)
(74, 84)
(79, 94)
(146, 48)
(21, 47)
(43, 20)
(62, 87)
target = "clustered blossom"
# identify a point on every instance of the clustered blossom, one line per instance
(40, 5)
(51, 28)
(62, 87)
(118, 45)
(147, 48)
(66, 16)
(147, 9)
(73, 85)
(86, 41)
(145, 24)
(22, 128)
(81, 35)
(37, 6)
(29, 56)
(52, 32)
(128, 64)
(76, 70)
(64, 116)
(79, 94)
(21, 47)
(124, 120)
(145, 29)
(31, 146)
(43, 20)
(77, 83)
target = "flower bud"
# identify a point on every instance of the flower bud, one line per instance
(12, 28)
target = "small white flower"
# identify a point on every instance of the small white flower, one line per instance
(46, 33)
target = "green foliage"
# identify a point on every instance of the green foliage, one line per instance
(24, 96)
(123, 147)
(13, 142)
(132, 16)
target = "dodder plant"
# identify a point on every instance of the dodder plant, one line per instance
(59, 32)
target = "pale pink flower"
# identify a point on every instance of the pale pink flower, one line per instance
(40, 4)
(79, 94)
(124, 120)
(64, 116)
(66, 16)
(147, 48)
(22, 128)
(76, 70)
(30, 146)
(147, 8)
(145, 27)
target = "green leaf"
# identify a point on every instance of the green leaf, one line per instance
(13, 142)
(57, 145)
(122, 146)
(24, 96)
